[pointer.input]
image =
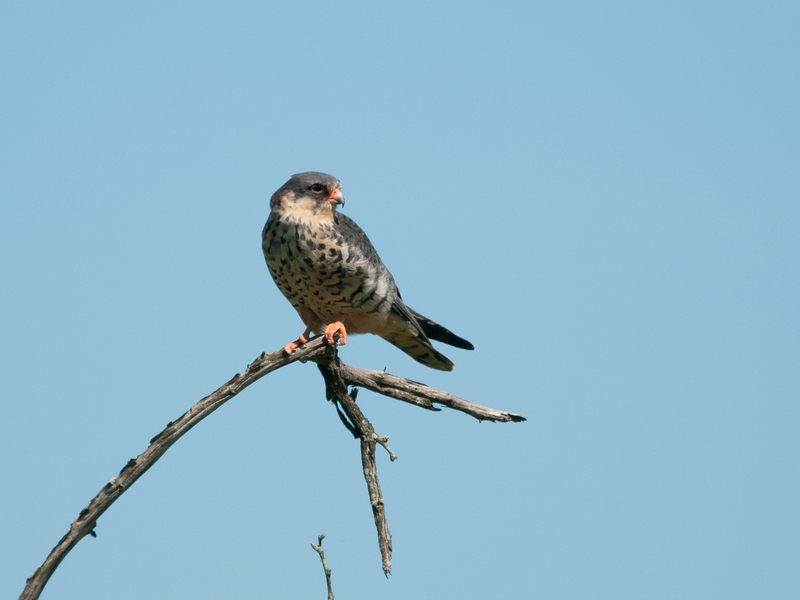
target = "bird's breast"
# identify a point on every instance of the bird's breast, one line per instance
(317, 268)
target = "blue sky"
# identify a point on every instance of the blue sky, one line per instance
(603, 198)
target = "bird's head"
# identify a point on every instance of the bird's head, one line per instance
(308, 196)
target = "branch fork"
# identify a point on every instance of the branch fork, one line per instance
(338, 376)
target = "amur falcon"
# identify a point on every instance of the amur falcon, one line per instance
(327, 268)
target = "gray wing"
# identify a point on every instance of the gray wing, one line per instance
(355, 236)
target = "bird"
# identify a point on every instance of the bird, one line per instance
(332, 275)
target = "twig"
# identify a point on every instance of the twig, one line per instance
(321, 553)
(383, 441)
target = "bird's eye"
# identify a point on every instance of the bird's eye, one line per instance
(317, 188)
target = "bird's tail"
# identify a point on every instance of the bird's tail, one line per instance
(419, 349)
(441, 334)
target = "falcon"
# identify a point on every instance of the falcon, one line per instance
(331, 274)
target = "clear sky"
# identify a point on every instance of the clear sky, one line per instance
(603, 197)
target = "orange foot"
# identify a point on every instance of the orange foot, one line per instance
(334, 328)
(299, 342)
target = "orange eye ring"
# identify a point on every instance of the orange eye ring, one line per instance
(317, 188)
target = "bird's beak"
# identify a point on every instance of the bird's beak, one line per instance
(336, 197)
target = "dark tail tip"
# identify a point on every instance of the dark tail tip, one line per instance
(434, 331)
(448, 337)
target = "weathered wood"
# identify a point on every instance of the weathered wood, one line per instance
(136, 467)
(420, 394)
(318, 549)
(336, 390)
(338, 378)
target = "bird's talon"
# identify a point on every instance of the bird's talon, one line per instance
(301, 341)
(334, 331)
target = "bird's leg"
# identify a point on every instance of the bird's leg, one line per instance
(299, 342)
(336, 327)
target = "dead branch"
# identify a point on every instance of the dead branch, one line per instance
(338, 378)
(420, 394)
(327, 569)
(336, 390)
(86, 521)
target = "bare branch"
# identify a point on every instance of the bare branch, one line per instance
(336, 390)
(420, 394)
(136, 467)
(338, 377)
(321, 553)
(383, 440)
